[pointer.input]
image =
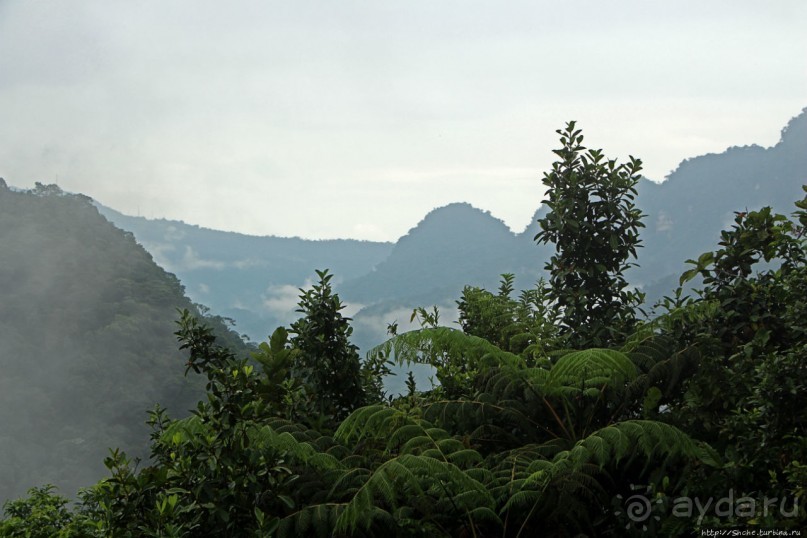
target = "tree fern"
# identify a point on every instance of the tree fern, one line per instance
(565, 485)
(662, 364)
(453, 493)
(456, 356)
(373, 421)
(488, 422)
(317, 520)
(591, 368)
(303, 451)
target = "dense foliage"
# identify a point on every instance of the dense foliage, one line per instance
(548, 419)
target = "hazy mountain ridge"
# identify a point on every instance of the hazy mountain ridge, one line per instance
(458, 244)
(253, 279)
(684, 217)
(86, 341)
(686, 213)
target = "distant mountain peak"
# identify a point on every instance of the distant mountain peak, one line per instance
(795, 132)
(460, 216)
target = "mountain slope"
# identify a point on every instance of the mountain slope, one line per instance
(86, 341)
(452, 246)
(688, 210)
(249, 278)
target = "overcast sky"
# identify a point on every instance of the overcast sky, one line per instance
(355, 118)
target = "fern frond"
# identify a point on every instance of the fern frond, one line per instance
(409, 476)
(380, 487)
(563, 486)
(314, 520)
(304, 451)
(503, 423)
(462, 457)
(403, 436)
(522, 499)
(661, 365)
(349, 482)
(432, 345)
(484, 514)
(649, 438)
(374, 421)
(591, 368)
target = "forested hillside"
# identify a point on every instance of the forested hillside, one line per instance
(86, 341)
(251, 279)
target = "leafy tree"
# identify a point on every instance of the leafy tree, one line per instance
(594, 226)
(44, 514)
(211, 473)
(284, 393)
(327, 362)
(746, 395)
(527, 325)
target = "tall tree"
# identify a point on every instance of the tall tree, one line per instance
(594, 226)
(328, 362)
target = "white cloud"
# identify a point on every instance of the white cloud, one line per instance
(281, 302)
(664, 222)
(191, 260)
(172, 233)
(351, 309)
(376, 324)
(161, 253)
